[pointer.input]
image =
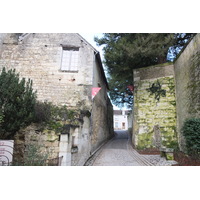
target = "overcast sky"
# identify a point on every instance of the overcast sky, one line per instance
(90, 38)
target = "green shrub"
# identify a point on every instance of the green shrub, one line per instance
(42, 112)
(17, 101)
(33, 156)
(52, 116)
(191, 132)
(1, 118)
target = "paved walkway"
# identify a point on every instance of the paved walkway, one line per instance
(119, 152)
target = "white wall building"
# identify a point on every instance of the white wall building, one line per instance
(121, 119)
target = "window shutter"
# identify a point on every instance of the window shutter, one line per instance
(70, 60)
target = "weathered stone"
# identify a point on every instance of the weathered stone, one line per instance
(154, 120)
(52, 137)
(39, 57)
(187, 72)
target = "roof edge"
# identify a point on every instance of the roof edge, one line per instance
(82, 38)
(101, 69)
(97, 54)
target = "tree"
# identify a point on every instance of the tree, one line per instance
(17, 101)
(124, 52)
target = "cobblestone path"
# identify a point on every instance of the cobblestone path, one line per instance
(119, 152)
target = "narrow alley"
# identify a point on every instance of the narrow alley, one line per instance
(119, 152)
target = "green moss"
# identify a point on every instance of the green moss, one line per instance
(56, 126)
(151, 113)
(173, 103)
(169, 156)
(145, 140)
(52, 138)
(34, 138)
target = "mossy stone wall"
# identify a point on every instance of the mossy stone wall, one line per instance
(46, 140)
(187, 76)
(154, 123)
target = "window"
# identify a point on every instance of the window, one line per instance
(70, 59)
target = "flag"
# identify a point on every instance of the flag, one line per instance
(130, 87)
(95, 91)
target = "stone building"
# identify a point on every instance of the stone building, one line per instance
(64, 68)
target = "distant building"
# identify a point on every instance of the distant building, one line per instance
(121, 119)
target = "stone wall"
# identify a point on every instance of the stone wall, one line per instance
(74, 145)
(81, 141)
(46, 141)
(187, 76)
(38, 57)
(130, 122)
(102, 113)
(2, 35)
(154, 123)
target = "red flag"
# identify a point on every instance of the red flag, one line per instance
(95, 91)
(130, 87)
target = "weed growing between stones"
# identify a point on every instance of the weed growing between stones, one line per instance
(33, 156)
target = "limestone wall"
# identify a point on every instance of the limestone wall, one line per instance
(38, 57)
(102, 113)
(154, 123)
(74, 145)
(130, 122)
(187, 76)
(82, 140)
(2, 35)
(46, 141)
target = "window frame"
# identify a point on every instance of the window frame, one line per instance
(70, 49)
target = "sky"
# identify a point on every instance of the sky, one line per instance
(90, 38)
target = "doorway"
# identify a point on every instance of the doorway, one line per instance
(123, 125)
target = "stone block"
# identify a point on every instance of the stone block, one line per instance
(52, 138)
(169, 156)
(167, 153)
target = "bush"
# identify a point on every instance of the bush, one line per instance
(52, 116)
(191, 132)
(42, 112)
(17, 101)
(34, 156)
